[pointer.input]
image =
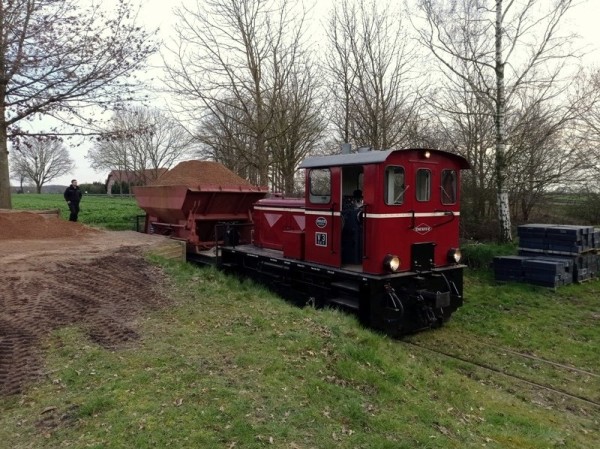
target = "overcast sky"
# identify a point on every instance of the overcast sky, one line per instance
(584, 19)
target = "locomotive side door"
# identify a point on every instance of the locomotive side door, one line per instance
(323, 221)
(352, 232)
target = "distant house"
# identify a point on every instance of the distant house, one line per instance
(132, 177)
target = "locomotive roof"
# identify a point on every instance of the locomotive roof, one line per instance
(369, 157)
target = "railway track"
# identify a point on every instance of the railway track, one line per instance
(542, 360)
(574, 378)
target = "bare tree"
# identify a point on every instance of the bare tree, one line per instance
(297, 126)
(141, 140)
(542, 154)
(60, 58)
(340, 67)
(584, 201)
(222, 136)
(467, 129)
(588, 132)
(17, 175)
(497, 52)
(41, 160)
(374, 75)
(233, 58)
(295, 130)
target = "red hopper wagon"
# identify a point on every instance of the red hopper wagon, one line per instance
(189, 201)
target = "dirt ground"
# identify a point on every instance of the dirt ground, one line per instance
(55, 273)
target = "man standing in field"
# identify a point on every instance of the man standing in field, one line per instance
(73, 197)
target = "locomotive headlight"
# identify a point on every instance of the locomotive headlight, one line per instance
(391, 263)
(454, 255)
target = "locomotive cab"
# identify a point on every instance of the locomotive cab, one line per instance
(406, 221)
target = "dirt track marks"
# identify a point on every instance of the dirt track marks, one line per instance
(102, 292)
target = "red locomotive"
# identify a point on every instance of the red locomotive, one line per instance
(376, 233)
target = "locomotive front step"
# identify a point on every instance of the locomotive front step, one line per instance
(347, 286)
(345, 303)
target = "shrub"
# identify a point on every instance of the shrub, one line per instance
(96, 188)
(587, 208)
(480, 255)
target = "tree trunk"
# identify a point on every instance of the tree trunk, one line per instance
(5, 200)
(503, 204)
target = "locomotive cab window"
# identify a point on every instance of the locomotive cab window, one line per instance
(423, 184)
(320, 186)
(394, 185)
(448, 187)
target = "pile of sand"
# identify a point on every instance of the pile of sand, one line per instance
(200, 173)
(22, 225)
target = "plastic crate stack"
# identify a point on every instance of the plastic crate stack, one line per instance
(552, 255)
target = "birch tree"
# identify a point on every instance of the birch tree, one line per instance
(498, 48)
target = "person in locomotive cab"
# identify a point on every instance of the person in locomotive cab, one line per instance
(352, 230)
(73, 197)
(357, 199)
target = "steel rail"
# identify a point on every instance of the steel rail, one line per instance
(513, 376)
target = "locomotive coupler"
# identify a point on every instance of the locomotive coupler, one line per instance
(425, 310)
(437, 299)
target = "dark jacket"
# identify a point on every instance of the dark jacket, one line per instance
(73, 194)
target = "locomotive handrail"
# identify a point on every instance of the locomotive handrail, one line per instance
(445, 212)
(400, 195)
(363, 220)
(332, 226)
(170, 225)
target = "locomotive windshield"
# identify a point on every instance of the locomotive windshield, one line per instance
(423, 184)
(394, 185)
(448, 186)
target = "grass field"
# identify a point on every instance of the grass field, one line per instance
(114, 212)
(230, 365)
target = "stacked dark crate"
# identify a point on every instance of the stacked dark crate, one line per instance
(578, 243)
(509, 268)
(587, 266)
(548, 271)
(552, 255)
(533, 238)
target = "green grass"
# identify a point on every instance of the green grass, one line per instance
(230, 365)
(115, 213)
